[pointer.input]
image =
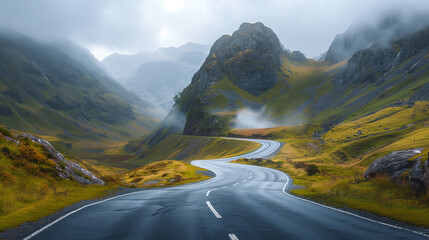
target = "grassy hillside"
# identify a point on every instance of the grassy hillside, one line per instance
(46, 90)
(30, 187)
(297, 91)
(342, 155)
(162, 174)
(182, 147)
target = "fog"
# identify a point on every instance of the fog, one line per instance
(107, 26)
(248, 119)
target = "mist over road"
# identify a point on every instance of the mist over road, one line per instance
(241, 202)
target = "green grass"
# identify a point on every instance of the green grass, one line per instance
(43, 201)
(182, 147)
(379, 196)
(343, 161)
(30, 187)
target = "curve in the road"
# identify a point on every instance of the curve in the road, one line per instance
(241, 202)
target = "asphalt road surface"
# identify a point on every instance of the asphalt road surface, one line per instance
(241, 202)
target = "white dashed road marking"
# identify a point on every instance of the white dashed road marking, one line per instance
(213, 210)
(233, 237)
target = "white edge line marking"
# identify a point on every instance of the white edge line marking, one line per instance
(123, 195)
(232, 236)
(77, 210)
(332, 208)
(349, 213)
(207, 194)
(213, 210)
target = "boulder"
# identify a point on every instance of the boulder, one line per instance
(393, 164)
(425, 178)
(415, 176)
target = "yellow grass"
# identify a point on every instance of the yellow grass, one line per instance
(165, 173)
(347, 157)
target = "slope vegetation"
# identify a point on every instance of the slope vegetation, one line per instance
(35, 183)
(47, 92)
(250, 70)
(344, 152)
(185, 148)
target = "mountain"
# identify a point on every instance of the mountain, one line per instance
(121, 66)
(248, 77)
(160, 81)
(59, 89)
(249, 61)
(157, 76)
(363, 33)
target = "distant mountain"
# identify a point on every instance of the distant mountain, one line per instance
(363, 33)
(157, 76)
(250, 71)
(122, 66)
(60, 89)
(160, 81)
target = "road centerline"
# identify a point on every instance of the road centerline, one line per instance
(232, 236)
(217, 215)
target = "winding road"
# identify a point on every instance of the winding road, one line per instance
(241, 202)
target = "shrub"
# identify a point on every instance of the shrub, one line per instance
(300, 165)
(5, 132)
(312, 169)
(177, 178)
(136, 180)
(5, 151)
(6, 177)
(32, 154)
(79, 173)
(62, 164)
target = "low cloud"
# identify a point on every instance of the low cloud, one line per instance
(248, 119)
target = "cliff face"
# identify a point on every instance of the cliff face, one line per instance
(250, 58)
(380, 75)
(372, 63)
(249, 70)
(363, 34)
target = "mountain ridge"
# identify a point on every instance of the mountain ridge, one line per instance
(303, 90)
(45, 91)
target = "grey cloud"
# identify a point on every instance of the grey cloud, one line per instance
(132, 26)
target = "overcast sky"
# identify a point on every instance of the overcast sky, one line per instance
(129, 26)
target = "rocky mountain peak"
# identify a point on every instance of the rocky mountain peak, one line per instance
(250, 36)
(250, 58)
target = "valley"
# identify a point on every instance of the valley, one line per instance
(241, 139)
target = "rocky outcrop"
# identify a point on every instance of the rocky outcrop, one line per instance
(393, 164)
(369, 65)
(298, 56)
(250, 58)
(425, 177)
(397, 163)
(375, 73)
(415, 176)
(66, 169)
(362, 34)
